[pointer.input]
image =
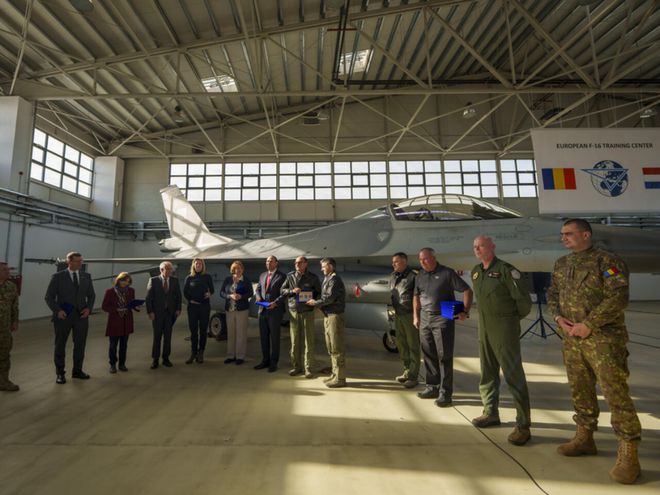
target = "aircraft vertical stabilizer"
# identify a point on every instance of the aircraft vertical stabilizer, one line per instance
(186, 226)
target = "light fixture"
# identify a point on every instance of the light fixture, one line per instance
(469, 111)
(647, 113)
(82, 5)
(179, 117)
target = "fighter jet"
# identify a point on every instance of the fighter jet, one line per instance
(363, 246)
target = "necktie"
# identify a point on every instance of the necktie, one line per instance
(166, 285)
(267, 280)
(76, 285)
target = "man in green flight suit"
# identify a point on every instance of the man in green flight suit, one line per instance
(503, 301)
(587, 297)
(8, 324)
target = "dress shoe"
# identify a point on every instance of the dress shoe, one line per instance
(261, 366)
(154, 365)
(113, 369)
(429, 393)
(61, 379)
(122, 367)
(443, 402)
(401, 378)
(191, 359)
(486, 420)
(330, 378)
(200, 357)
(336, 384)
(167, 363)
(239, 362)
(410, 383)
(294, 372)
(80, 375)
(229, 360)
(519, 436)
(272, 369)
(309, 375)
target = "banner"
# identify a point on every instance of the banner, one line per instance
(603, 171)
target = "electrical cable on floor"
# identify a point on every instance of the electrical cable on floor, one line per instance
(529, 475)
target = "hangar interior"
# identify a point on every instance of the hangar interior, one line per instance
(276, 117)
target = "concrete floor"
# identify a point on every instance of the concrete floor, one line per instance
(216, 428)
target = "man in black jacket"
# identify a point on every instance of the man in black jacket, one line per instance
(70, 296)
(299, 287)
(402, 285)
(163, 301)
(270, 316)
(333, 305)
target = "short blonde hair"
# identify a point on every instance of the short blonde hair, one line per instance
(123, 276)
(192, 266)
(236, 264)
(73, 254)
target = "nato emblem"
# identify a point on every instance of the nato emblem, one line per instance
(608, 178)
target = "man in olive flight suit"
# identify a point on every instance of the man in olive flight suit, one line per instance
(402, 286)
(503, 301)
(587, 297)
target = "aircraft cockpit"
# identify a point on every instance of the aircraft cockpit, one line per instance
(448, 207)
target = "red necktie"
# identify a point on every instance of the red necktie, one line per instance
(267, 280)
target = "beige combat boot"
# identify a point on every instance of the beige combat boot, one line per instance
(5, 384)
(627, 468)
(581, 444)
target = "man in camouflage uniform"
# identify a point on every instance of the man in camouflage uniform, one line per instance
(402, 285)
(587, 297)
(503, 301)
(8, 324)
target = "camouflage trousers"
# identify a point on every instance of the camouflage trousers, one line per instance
(592, 361)
(6, 341)
(407, 341)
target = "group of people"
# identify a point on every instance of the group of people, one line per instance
(587, 298)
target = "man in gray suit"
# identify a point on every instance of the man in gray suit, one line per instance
(70, 296)
(163, 302)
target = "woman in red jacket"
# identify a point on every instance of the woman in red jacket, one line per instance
(117, 303)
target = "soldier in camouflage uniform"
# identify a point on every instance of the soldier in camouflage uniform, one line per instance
(8, 324)
(587, 297)
(503, 301)
(402, 286)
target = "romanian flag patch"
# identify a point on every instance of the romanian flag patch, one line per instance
(610, 272)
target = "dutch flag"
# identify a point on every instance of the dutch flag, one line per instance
(651, 177)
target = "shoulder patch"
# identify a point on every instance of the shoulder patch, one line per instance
(515, 274)
(611, 272)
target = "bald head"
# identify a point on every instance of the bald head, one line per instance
(484, 248)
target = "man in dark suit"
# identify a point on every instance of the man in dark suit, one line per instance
(70, 296)
(270, 317)
(163, 302)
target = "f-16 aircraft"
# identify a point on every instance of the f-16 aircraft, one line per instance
(363, 246)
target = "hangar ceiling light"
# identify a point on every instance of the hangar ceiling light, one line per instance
(648, 113)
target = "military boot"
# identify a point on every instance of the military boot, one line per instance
(627, 468)
(5, 384)
(581, 444)
(192, 357)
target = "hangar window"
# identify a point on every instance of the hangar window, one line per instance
(477, 178)
(519, 178)
(305, 180)
(412, 178)
(250, 181)
(354, 62)
(220, 84)
(59, 165)
(198, 181)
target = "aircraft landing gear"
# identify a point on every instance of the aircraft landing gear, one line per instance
(389, 337)
(218, 326)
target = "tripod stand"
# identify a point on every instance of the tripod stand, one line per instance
(540, 282)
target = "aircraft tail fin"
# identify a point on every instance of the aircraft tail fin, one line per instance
(186, 226)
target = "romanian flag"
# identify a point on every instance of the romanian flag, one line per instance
(651, 177)
(611, 272)
(558, 178)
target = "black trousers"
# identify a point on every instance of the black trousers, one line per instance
(123, 347)
(78, 326)
(269, 330)
(162, 325)
(198, 322)
(437, 339)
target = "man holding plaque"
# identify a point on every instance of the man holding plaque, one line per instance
(333, 304)
(271, 310)
(70, 296)
(299, 287)
(435, 284)
(503, 302)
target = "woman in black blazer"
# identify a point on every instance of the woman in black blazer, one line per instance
(237, 290)
(197, 289)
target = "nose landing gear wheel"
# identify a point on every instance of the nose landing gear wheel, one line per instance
(389, 341)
